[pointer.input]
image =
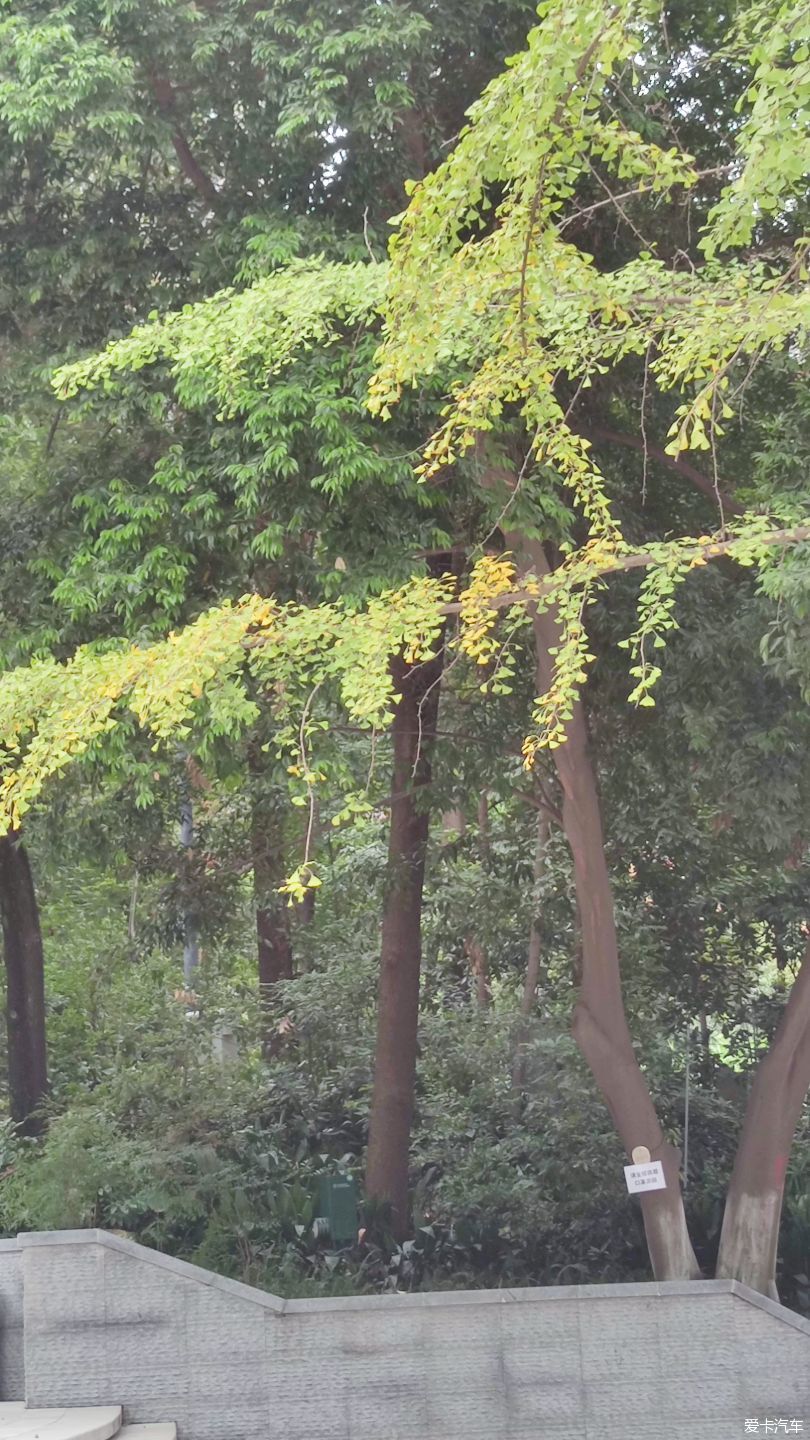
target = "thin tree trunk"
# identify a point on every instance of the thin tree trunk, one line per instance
(166, 98)
(478, 965)
(534, 957)
(706, 1047)
(600, 1024)
(532, 977)
(750, 1234)
(25, 988)
(133, 907)
(305, 911)
(454, 824)
(484, 846)
(191, 924)
(273, 939)
(272, 915)
(413, 732)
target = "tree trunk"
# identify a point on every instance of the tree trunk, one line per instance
(413, 732)
(454, 825)
(273, 940)
(191, 923)
(534, 956)
(166, 97)
(25, 988)
(484, 846)
(304, 911)
(750, 1234)
(600, 1024)
(478, 965)
(272, 914)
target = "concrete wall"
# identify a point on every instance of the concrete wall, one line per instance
(12, 1373)
(109, 1321)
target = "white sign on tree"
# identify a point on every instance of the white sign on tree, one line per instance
(644, 1174)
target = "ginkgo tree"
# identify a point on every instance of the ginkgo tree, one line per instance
(488, 296)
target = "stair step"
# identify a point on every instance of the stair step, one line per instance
(147, 1432)
(97, 1422)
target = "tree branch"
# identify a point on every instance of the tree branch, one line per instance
(165, 95)
(711, 550)
(677, 464)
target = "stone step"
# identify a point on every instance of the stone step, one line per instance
(96, 1422)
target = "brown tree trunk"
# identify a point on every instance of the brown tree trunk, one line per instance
(413, 732)
(273, 940)
(534, 957)
(750, 1234)
(478, 965)
(272, 914)
(600, 1024)
(166, 97)
(25, 988)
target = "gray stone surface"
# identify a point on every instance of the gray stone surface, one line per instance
(12, 1365)
(107, 1321)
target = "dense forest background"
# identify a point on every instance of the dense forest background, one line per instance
(211, 1049)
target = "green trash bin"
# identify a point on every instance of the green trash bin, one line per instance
(337, 1206)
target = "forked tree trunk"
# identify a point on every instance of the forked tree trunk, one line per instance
(750, 1234)
(413, 731)
(600, 1024)
(25, 988)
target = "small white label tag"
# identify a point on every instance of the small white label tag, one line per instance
(645, 1177)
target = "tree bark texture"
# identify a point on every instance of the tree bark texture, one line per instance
(25, 988)
(413, 732)
(476, 955)
(600, 1024)
(534, 956)
(273, 940)
(750, 1234)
